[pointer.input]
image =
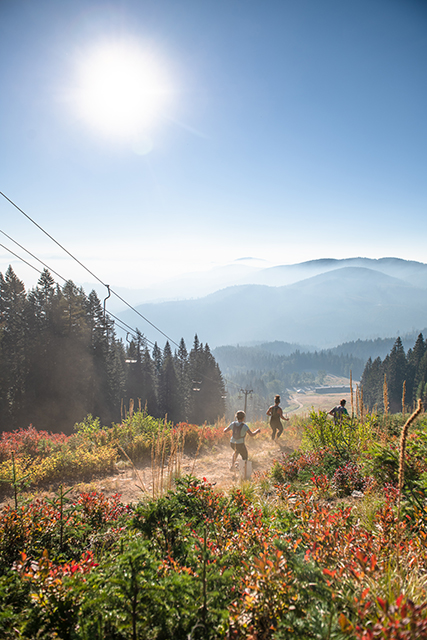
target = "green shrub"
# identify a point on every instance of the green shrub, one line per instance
(322, 432)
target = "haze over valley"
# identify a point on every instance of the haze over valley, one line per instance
(319, 303)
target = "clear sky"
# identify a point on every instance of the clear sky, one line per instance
(157, 137)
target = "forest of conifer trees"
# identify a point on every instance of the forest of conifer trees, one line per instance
(60, 360)
(403, 375)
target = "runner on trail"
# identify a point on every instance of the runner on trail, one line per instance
(276, 415)
(239, 432)
(339, 411)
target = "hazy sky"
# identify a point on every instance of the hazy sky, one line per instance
(157, 137)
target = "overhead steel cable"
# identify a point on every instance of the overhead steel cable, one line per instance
(144, 318)
(33, 256)
(130, 329)
(52, 238)
(96, 278)
(19, 258)
(88, 270)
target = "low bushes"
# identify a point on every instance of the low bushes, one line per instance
(32, 458)
(202, 564)
(288, 557)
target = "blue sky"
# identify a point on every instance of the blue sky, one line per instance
(286, 131)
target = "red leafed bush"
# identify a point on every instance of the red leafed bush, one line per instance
(30, 442)
(99, 510)
(349, 478)
(402, 620)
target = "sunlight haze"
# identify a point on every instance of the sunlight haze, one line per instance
(120, 90)
(158, 139)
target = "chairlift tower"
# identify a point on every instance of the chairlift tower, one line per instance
(246, 393)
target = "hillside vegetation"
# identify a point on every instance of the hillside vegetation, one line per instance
(328, 542)
(397, 381)
(60, 359)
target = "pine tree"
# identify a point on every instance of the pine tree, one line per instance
(415, 370)
(182, 372)
(207, 402)
(157, 358)
(116, 379)
(195, 371)
(41, 345)
(149, 390)
(372, 381)
(395, 369)
(65, 399)
(13, 349)
(168, 395)
(213, 390)
(101, 328)
(420, 386)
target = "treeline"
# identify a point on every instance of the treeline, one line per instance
(290, 369)
(380, 347)
(266, 373)
(401, 373)
(60, 359)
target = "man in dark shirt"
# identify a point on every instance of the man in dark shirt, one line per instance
(339, 411)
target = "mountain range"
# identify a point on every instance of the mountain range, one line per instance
(321, 303)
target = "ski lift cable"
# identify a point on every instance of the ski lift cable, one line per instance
(19, 258)
(118, 320)
(93, 275)
(52, 271)
(86, 268)
(30, 254)
(121, 322)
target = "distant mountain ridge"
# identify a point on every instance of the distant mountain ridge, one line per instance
(202, 283)
(408, 270)
(345, 302)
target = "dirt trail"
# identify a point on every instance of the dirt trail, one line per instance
(213, 465)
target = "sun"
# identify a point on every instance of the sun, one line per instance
(121, 89)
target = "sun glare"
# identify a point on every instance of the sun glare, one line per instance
(122, 90)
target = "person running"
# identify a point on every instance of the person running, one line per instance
(239, 432)
(339, 411)
(276, 415)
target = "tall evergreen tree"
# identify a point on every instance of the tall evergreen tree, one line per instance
(65, 397)
(415, 373)
(395, 369)
(157, 358)
(195, 371)
(13, 348)
(101, 329)
(371, 382)
(116, 379)
(169, 404)
(42, 301)
(420, 387)
(213, 389)
(182, 372)
(207, 402)
(149, 392)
